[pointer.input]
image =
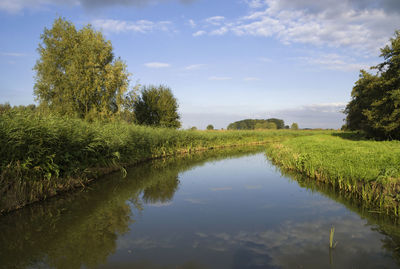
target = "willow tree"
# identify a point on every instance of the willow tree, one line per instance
(77, 73)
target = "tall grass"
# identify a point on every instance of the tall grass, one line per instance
(370, 170)
(41, 156)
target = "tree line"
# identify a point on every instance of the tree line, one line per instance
(254, 124)
(375, 105)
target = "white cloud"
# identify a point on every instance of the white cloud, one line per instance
(219, 78)
(13, 54)
(141, 26)
(194, 66)
(199, 33)
(361, 25)
(256, 3)
(265, 60)
(157, 65)
(13, 6)
(192, 23)
(334, 62)
(216, 20)
(221, 31)
(251, 79)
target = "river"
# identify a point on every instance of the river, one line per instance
(219, 209)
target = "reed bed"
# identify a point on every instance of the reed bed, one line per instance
(369, 170)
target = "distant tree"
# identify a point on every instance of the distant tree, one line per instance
(210, 127)
(271, 125)
(194, 128)
(156, 106)
(287, 127)
(76, 73)
(280, 124)
(261, 125)
(375, 104)
(251, 124)
(294, 126)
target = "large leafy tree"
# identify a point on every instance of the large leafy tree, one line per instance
(157, 106)
(77, 73)
(375, 104)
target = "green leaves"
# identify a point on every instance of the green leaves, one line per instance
(77, 73)
(375, 104)
(156, 106)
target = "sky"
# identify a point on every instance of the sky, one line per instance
(224, 60)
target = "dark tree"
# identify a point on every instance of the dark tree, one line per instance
(375, 104)
(156, 106)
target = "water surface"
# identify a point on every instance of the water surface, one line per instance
(226, 209)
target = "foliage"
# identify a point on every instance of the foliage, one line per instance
(77, 73)
(375, 104)
(210, 127)
(294, 126)
(156, 106)
(251, 124)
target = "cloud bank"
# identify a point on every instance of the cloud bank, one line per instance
(13, 6)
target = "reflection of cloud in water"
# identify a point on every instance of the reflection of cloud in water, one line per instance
(143, 243)
(195, 201)
(221, 189)
(201, 234)
(256, 187)
(160, 204)
(306, 243)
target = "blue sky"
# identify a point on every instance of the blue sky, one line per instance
(224, 60)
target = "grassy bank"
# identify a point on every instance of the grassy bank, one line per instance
(369, 170)
(41, 156)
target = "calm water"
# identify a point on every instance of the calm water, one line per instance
(229, 209)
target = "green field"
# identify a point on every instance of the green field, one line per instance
(369, 170)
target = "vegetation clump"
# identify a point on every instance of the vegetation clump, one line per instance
(251, 124)
(157, 106)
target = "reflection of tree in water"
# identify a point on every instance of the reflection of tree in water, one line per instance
(161, 192)
(80, 229)
(382, 223)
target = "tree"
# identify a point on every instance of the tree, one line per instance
(280, 124)
(261, 125)
(156, 106)
(271, 125)
(375, 104)
(251, 124)
(210, 127)
(77, 73)
(294, 126)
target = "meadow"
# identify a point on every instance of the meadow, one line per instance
(368, 170)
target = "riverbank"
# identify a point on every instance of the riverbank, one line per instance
(42, 156)
(368, 170)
